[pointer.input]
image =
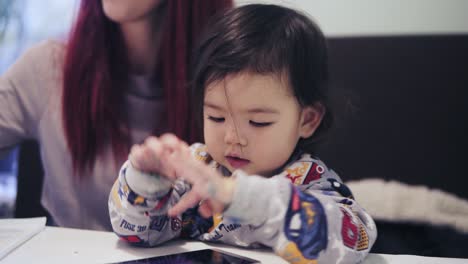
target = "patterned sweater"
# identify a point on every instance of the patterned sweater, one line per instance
(304, 213)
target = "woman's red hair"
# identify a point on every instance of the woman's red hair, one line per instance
(94, 78)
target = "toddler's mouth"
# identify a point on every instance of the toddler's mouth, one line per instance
(237, 162)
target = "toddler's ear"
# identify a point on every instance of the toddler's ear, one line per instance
(311, 117)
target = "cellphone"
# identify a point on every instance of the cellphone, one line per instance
(205, 256)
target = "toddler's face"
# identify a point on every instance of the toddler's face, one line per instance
(252, 122)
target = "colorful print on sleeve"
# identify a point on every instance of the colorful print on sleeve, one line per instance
(305, 227)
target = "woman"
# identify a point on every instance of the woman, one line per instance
(120, 77)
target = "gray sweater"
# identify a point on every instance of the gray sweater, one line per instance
(30, 108)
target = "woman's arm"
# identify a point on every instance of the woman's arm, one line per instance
(24, 92)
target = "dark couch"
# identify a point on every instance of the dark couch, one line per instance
(402, 115)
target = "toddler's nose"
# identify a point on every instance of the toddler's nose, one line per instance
(233, 135)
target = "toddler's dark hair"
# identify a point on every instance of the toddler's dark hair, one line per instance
(266, 39)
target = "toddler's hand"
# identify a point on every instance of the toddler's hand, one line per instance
(212, 191)
(172, 158)
(154, 154)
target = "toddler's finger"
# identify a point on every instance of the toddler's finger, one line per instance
(187, 201)
(205, 209)
(169, 140)
(154, 151)
(175, 145)
(136, 156)
(187, 166)
(153, 144)
(216, 206)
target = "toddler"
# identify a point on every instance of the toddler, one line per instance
(260, 85)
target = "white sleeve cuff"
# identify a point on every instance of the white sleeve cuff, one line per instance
(253, 197)
(146, 184)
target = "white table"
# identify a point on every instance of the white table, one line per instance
(65, 245)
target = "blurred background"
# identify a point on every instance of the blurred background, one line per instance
(22, 24)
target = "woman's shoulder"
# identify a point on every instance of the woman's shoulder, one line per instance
(44, 52)
(47, 45)
(35, 77)
(38, 60)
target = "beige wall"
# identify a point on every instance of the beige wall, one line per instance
(383, 17)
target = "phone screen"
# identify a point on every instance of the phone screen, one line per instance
(205, 256)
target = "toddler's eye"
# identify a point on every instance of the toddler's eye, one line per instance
(260, 124)
(216, 119)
